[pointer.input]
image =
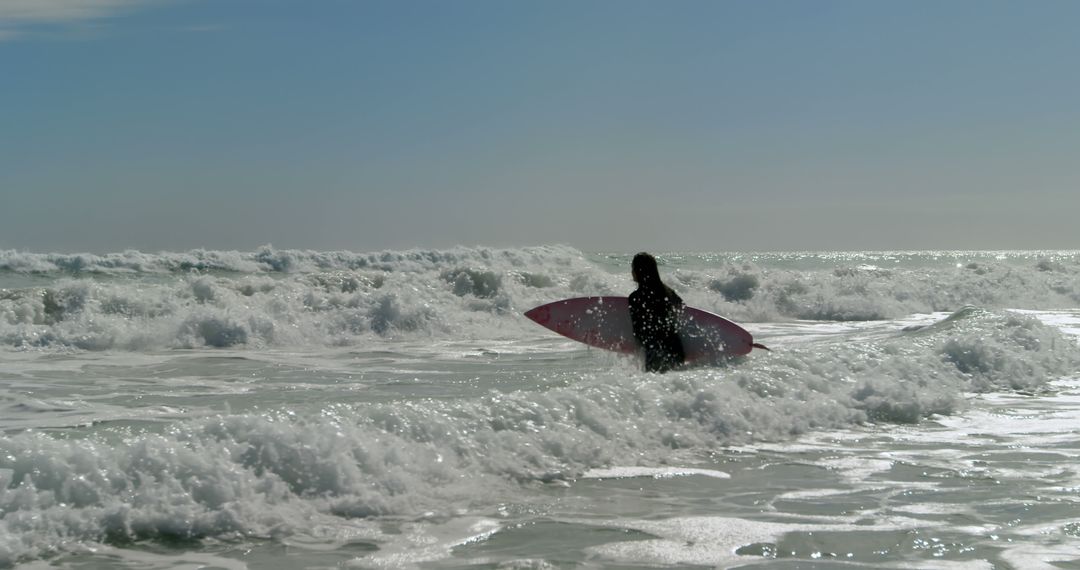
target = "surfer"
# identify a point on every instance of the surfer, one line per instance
(654, 312)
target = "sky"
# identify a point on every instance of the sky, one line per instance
(364, 125)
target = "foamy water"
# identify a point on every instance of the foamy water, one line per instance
(287, 409)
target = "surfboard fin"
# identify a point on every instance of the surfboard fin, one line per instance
(761, 346)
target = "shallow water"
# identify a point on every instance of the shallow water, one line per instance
(260, 418)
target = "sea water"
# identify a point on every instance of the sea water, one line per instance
(298, 409)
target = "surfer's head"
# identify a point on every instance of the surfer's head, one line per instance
(644, 269)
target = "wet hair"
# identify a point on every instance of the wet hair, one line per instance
(644, 269)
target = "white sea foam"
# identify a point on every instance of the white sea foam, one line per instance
(702, 541)
(428, 542)
(258, 474)
(137, 301)
(272, 468)
(619, 472)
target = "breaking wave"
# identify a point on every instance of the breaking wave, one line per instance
(271, 474)
(272, 298)
(276, 472)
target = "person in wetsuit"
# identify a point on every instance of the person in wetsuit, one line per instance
(654, 311)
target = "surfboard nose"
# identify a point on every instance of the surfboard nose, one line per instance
(540, 315)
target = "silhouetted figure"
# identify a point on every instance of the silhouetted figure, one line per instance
(654, 312)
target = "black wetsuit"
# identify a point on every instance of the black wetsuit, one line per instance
(654, 312)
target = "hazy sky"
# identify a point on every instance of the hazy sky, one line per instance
(606, 125)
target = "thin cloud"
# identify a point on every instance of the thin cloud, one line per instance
(16, 15)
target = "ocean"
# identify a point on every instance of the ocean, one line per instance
(288, 409)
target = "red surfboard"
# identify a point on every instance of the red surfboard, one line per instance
(604, 322)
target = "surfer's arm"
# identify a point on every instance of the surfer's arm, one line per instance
(638, 319)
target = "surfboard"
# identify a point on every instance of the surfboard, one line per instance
(604, 322)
